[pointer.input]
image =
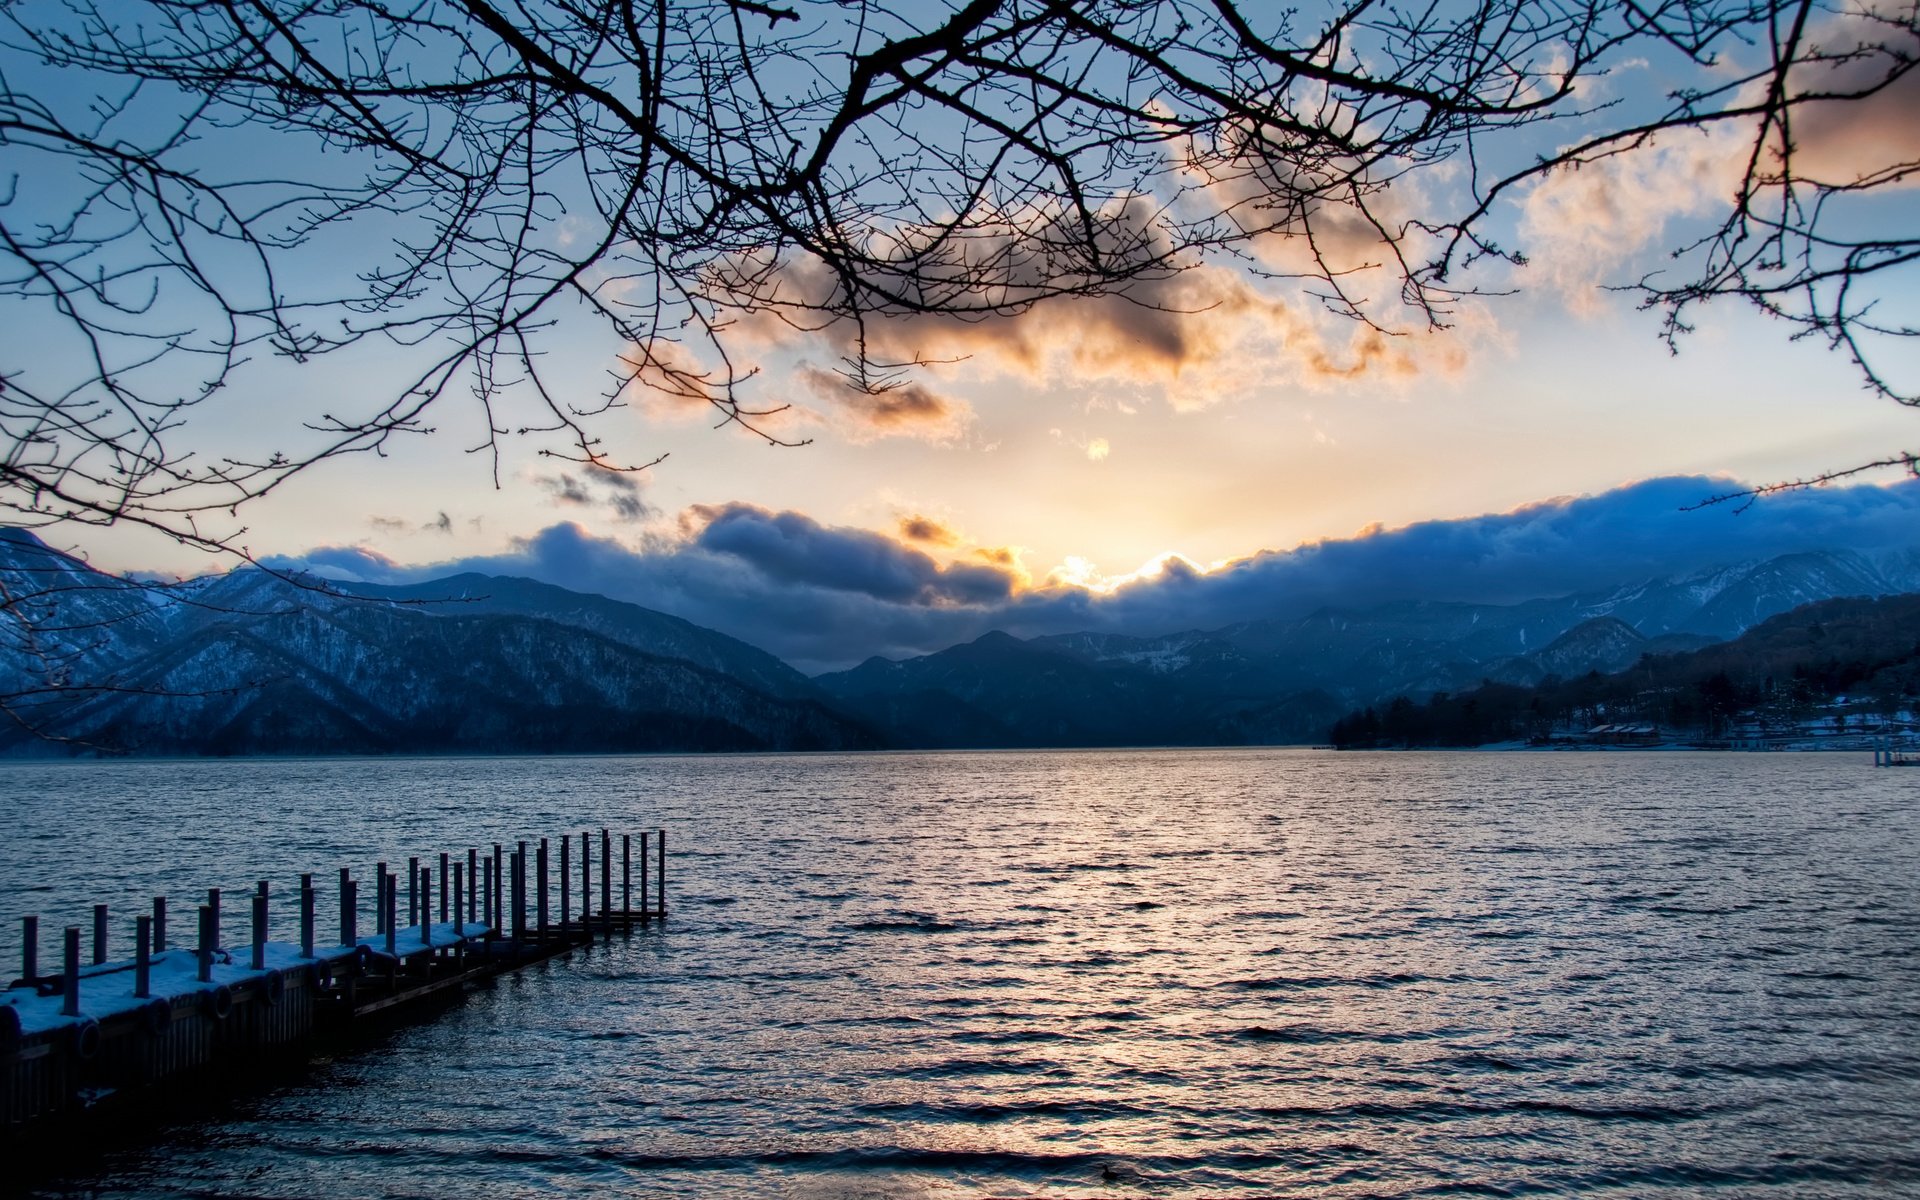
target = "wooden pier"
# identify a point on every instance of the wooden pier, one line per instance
(104, 1029)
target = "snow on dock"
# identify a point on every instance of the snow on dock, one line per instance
(90, 1032)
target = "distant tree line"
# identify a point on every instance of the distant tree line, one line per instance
(1787, 668)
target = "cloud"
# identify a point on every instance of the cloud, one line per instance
(917, 528)
(906, 408)
(792, 548)
(1199, 333)
(1582, 225)
(616, 492)
(1874, 136)
(825, 596)
(1098, 449)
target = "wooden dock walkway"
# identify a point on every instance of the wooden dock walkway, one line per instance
(104, 1030)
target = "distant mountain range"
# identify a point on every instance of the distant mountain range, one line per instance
(1809, 675)
(251, 663)
(1286, 681)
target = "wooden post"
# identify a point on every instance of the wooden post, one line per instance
(511, 921)
(306, 916)
(426, 903)
(443, 888)
(213, 904)
(99, 934)
(626, 874)
(260, 927)
(661, 883)
(540, 887)
(413, 891)
(349, 910)
(498, 881)
(29, 949)
(70, 975)
(159, 924)
(392, 914)
(379, 898)
(520, 892)
(209, 935)
(606, 876)
(473, 885)
(459, 904)
(586, 879)
(142, 957)
(646, 841)
(566, 880)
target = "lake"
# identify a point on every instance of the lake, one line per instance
(1219, 972)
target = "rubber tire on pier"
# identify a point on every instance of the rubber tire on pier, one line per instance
(273, 987)
(86, 1039)
(319, 978)
(9, 1029)
(158, 1015)
(219, 1002)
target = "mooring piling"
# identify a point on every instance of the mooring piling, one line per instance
(459, 908)
(204, 952)
(379, 898)
(586, 880)
(259, 959)
(540, 888)
(606, 876)
(142, 957)
(29, 950)
(159, 924)
(70, 974)
(306, 916)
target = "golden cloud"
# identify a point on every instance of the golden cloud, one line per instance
(917, 528)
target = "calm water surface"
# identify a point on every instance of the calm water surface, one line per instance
(1065, 974)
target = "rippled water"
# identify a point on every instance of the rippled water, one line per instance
(1166, 973)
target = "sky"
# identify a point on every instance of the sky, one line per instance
(1054, 464)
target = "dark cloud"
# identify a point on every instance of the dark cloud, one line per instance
(917, 528)
(440, 524)
(597, 487)
(824, 596)
(793, 548)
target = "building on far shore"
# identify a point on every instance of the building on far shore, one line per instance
(1637, 734)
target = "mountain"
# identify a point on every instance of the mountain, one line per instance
(1284, 680)
(250, 663)
(64, 624)
(628, 624)
(1819, 670)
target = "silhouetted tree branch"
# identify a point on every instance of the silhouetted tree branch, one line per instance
(194, 186)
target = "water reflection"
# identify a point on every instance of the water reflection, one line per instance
(1146, 972)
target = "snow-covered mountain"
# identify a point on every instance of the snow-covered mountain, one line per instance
(1275, 679)
(253, 663)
